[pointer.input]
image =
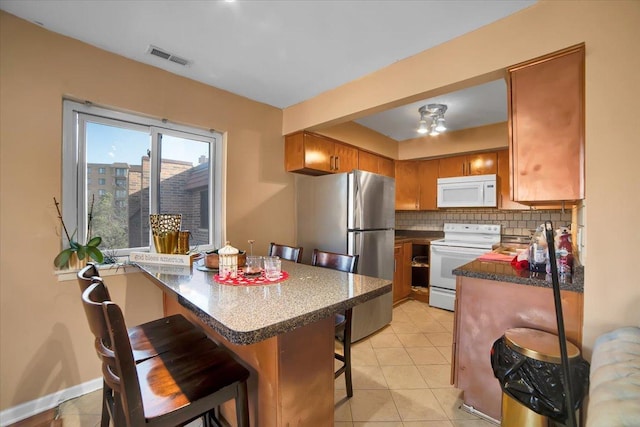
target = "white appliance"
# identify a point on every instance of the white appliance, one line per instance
(462, 243)
(467, 191)
(351, 213)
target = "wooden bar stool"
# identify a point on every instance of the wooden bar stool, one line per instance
(348, 263)
(148, 339)
(151, 338)
(290, 253)
(170, 389)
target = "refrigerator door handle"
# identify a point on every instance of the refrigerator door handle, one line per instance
(359, 201)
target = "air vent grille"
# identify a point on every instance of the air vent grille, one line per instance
(161, 53)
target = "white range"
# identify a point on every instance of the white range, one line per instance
(462, 243)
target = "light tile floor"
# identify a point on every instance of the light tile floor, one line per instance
(400, 378)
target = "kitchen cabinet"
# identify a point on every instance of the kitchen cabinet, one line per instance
(470, 164)
(428, 182)
(314, 154)
(481, 318)
(546, 127)
(416, 184)
(504, 186)
(407, 185)
(374, 163)
(401, 271)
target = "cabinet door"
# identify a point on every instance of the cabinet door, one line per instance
(386, 167)
(428, 177)
(398, 279)
(546, 119)
(407, 185)
(345, 158)
(482, 164)
(452, 166)
(318, 152)
(407, 253)
(367, 161)
(504, 199)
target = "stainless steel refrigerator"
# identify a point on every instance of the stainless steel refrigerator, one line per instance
(351, 213)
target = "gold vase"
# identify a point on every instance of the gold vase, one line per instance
(165, 229)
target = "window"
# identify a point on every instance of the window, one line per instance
(159, 168)
(102, 181)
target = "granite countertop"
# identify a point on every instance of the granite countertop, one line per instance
(249, 314)
(417, 236)
(504, 272)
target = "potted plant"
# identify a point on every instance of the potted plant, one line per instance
(76, 249)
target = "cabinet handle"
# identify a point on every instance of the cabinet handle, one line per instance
(469, 168)
(395, 262)
(463, 166)
(331, 163)
(337, 162)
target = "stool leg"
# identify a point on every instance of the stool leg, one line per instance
(242, 405)
(104, 421)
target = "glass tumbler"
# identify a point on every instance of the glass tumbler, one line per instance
(253, 266)
(272, 267)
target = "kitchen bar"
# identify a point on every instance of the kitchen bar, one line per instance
(284, 332)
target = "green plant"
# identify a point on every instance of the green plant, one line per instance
(90, 249)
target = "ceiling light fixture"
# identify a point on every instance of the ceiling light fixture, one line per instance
(436, 113)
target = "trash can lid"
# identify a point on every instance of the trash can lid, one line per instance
(538, 345)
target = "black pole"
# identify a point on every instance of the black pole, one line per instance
(560, 320)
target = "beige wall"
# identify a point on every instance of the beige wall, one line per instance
(45, 342)
(611, 31)
(482, 138)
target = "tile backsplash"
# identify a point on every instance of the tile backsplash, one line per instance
(517, 223)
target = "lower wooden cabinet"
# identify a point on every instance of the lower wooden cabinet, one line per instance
(401, 271)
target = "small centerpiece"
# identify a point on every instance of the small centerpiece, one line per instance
(76, 250)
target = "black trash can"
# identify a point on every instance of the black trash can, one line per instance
(527, 363)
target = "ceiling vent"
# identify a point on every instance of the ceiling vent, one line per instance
(160, 53)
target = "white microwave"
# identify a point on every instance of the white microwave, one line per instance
(467, 191)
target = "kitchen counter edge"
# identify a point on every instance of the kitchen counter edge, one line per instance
(504, 272)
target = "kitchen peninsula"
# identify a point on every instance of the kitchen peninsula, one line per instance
(492, 297)
(283, 332)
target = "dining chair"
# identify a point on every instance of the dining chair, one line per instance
(349, 264)
(170, 389)
(148, 339)
(290, 253)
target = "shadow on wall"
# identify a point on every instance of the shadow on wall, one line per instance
(55, 356)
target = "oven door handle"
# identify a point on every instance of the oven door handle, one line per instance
(458, 250)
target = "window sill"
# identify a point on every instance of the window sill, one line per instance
(105, 270)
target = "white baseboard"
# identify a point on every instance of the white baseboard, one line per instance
(50, 401)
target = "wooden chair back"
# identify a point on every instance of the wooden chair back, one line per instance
(85, 278)
(335, 261)
(290, 253)
(113, 347)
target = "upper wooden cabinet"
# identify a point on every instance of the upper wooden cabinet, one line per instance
(407, 185)
(546, 127)
(314, 154)
(428, 178)
(416, 185)
(504, 193)
(470, 164)
(374, 163)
